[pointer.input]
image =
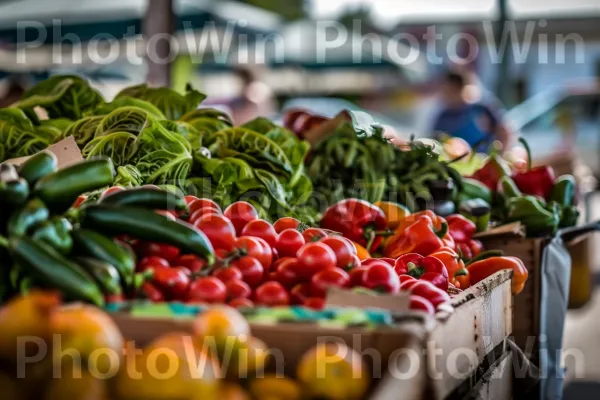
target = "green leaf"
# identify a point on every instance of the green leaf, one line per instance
(118, 146)
(128, 176)
(205, 114)
(273, 186)
(125, 119)
(83, 130)
(59, 123)
(172, 104)
(65, 96)
(16, 117)
(126, 101)
(193, 136)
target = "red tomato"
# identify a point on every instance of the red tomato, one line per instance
(110, 191)
(289, 242)
(262, 229)
(300, 293)
(288, 272)
(367, 262)
(171, 281)
(343, 251)
(240, 302)
(183, 269)
(421, 304)
(271, 294)
(152, 293)
(192, 262)
(313, 235)
(201, 212)
(275, 266)
(240, 213)
(427, 290)
(316, 303)
(151, 262)
(354, 263)
(251, 269)
(268, 255)
(314, 257)
(166, 251)
(168, 214)
(228, 274)
(357, 276)
(199, 204)
(390, 261)
(208, 289)
(79, 200)
(332, 277)
(189, 199)
(381, 277)
(219, 230)
(285, 223)
(254, 247)
(237, 289)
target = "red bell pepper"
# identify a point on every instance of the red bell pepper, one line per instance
(492, 171)
(460, 228)
(454, 265)
(425, 268)
(421, 237)
(358, 220)
(427, 290)
(535, 181)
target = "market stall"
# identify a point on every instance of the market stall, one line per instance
(319, 259)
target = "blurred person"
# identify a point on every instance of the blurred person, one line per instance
(467, 116)
(11, 91)
(255, 99)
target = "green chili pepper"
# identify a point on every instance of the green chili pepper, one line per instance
(530, 211)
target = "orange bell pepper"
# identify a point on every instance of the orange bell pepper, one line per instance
(454, 265)
(361, 252)
(435, 219)
(480, 270)
(420, 237)
(463, 280)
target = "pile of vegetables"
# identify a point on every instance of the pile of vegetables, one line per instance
(158, 136)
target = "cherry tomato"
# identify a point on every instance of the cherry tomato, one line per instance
(300, 293)
(427, 290)
(251, 269)
(208, 289)
(189, 199)
(240, 302)
(196, 215)
(110, 191)
(288, 272)
(166, 251)
(357, 276)
(316, 303)
(390, 261)
(354, 263)
(185, 270)
(151, 292)
(421, 304)
(192, 262)
(268, 254)
(381, 277)
(237, 288)
(262, 229)
(151, 262)
(343, 251)
(219, 230)
(256, 248)
(314, 257)
(313, 235)
(332, 277)
(289, 242)
(240, 213)
(271, 294)
(199, 204)
(79, 200)
(171, 281)
(228, 274)
(285, 223)
(168, 214)
(275, 266)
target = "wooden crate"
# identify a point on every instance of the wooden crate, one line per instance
(496, 383)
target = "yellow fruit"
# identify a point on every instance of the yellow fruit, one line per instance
(9, 388)
(170, 368)
(90, 331)
(248, 357)
(26, 316)
(275, 388)
(232, 391)
(333, 371)
(76, 384)
(221, 326)
(394, 213)
(361, 252)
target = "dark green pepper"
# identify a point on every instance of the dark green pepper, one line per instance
(38, 166)
(147, 198)
(473, 189)
(27, 217)
(106, 275)
(46, 264)
(531, 212)
(509, 188)
(569, 217)
(56, 233)
(14, 192)
(563, 191)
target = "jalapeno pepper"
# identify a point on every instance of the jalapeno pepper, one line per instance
(426, 268)
(358, 220)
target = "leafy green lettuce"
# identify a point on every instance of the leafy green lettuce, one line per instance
(172, 104)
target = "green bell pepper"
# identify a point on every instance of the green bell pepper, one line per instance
(533, 214)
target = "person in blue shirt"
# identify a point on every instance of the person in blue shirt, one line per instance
(479, 122)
